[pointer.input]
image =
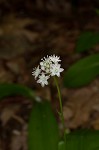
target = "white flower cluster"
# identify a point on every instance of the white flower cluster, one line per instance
(49, 66)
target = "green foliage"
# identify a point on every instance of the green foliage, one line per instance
(43, 128)
(83, 140)
(97, 11)
(15, 89)
(82, 72)
(61, 145)
(86, 41)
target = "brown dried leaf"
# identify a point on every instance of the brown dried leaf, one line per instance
(19, 141)
(8, 112)
(80, 105)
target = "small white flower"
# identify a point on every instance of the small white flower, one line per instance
(46, 64)
(54, 59)
(56, 70)
(43, 80)
(49, 66)
(36, 72)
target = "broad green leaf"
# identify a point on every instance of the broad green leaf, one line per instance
(97, 11)
(15, 89)
(86, 41)
(83, 140)
(61, 145)
(82, 72)
(43, 128)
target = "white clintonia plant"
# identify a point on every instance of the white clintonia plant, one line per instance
(49, 66)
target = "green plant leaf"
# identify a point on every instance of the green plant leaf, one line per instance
(86, 41)
(15, 89)
(97, 11)
(61, 145)
(82, 72)
(43, 128)
(83, 140)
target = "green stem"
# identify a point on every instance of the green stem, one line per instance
(60, 102)
(61, 107)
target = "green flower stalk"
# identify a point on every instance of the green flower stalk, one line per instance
(50, 67)
(60, 102)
